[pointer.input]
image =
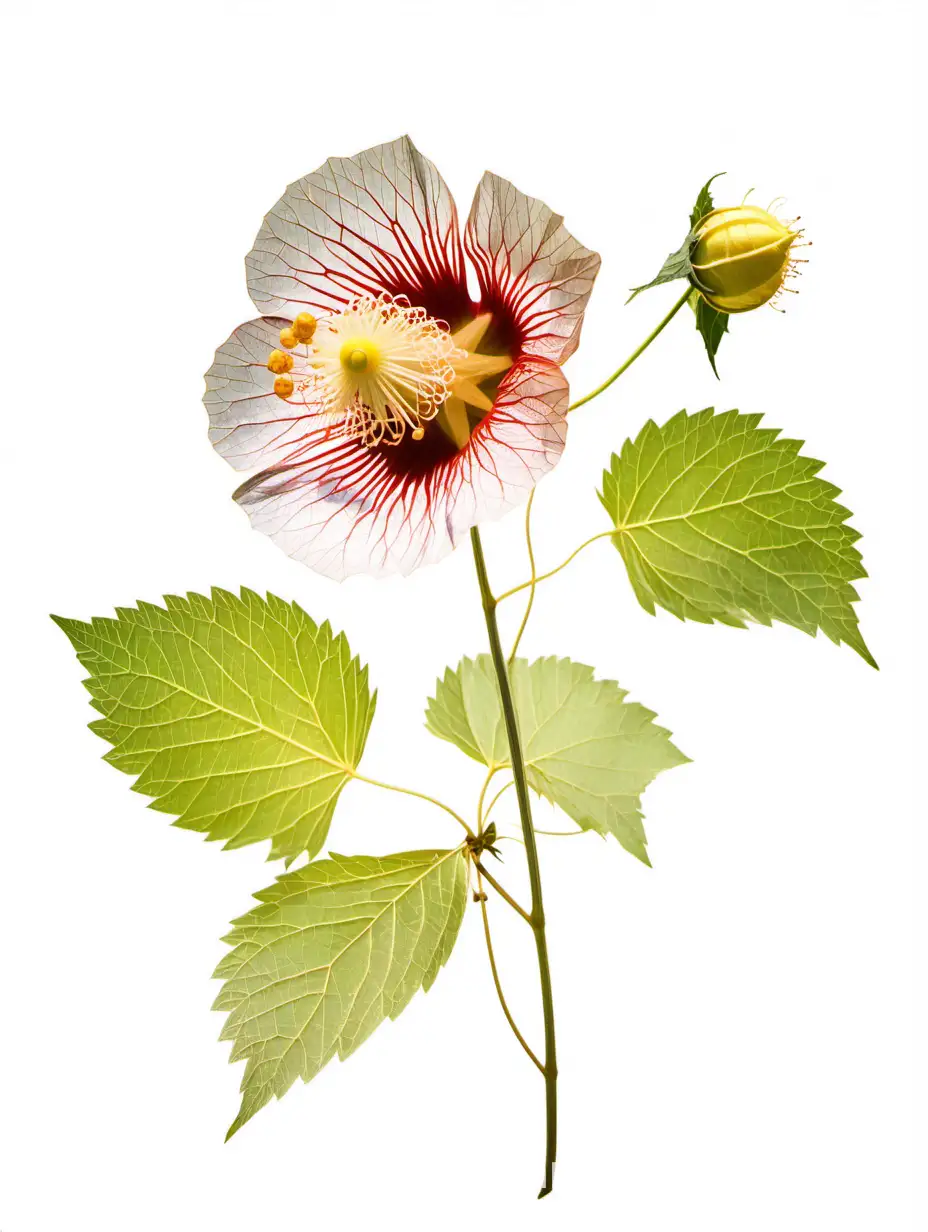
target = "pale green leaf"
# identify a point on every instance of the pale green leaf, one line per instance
(719, 519)
(333, 949)
(586, 749)
(240, 715)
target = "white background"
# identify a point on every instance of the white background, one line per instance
(736, 1025)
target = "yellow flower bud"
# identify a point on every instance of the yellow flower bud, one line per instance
(279, 362)
(740, 257)
(283, 387)
(288, 338)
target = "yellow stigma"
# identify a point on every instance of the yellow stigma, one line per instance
(279, 362)
(283, 386)
(359, 355)
(304, 326)
(288, 338)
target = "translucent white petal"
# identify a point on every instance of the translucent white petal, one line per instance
(342, 509)
(248, 424)
(529, 266)
(380, 221)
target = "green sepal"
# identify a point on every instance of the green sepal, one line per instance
(677, 265)
(704, 203)
(711, 323)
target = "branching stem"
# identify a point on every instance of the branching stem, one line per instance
(502, 892)
(499, 988)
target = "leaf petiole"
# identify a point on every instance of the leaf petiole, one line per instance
(541, 577)
(418, 795)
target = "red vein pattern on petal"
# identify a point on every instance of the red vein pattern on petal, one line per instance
(249, 425)
(383, 220)
(343, 509)
(533, 274)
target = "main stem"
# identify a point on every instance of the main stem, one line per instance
(537, 917)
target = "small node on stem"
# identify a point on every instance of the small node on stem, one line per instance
(485, 841)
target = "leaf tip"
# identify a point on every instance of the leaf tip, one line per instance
(864, 651)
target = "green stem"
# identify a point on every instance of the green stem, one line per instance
(537, 917)
(634, 355)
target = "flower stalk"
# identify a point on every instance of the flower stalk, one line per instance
(634, 355)
(537, 913)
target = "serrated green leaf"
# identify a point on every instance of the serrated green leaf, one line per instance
(333, 949)
(721, 520)
(586, 749)
(240, 715)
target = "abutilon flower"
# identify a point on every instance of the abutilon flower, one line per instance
(386, 409)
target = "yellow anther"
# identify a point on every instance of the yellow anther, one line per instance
(279, 362)
(418, 433)
(283, 387)
(288, 338)
(304, 326)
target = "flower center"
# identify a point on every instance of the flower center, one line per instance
(381, 367)
(360, 355)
